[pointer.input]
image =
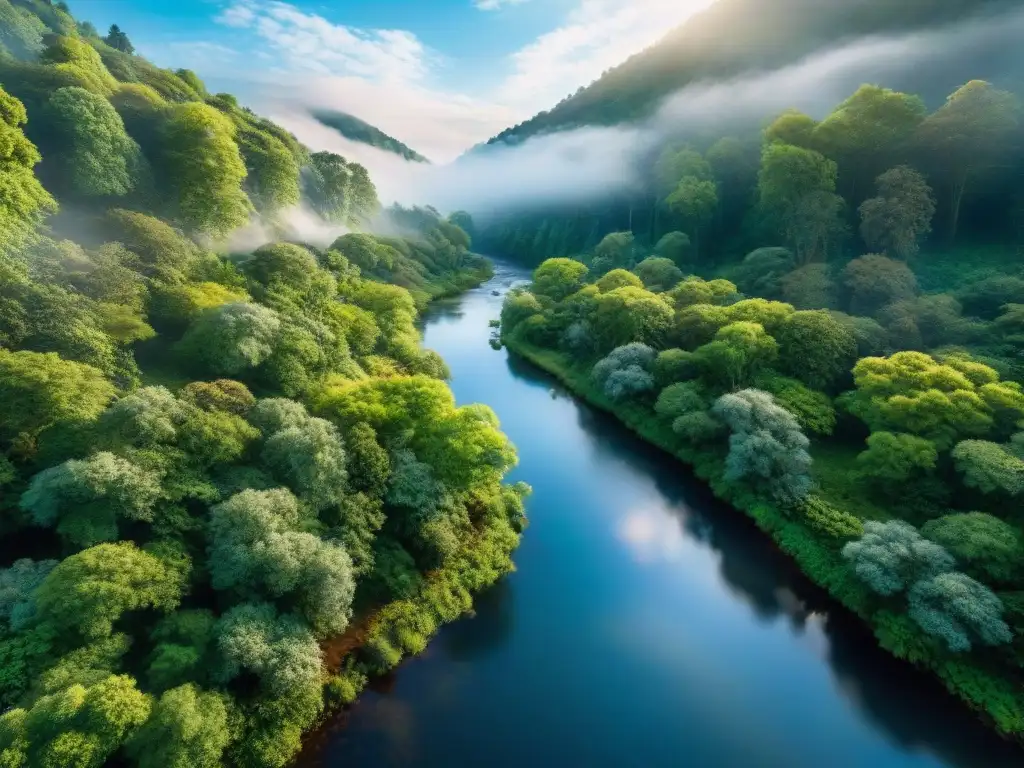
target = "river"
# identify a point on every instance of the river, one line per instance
(646, 625)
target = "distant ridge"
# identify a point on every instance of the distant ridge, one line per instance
(354, 129)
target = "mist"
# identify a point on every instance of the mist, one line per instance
(580, 165)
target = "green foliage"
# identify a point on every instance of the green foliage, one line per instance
(17, 586)
(874, 281)
(618, 278)
(983, 545)
(629, 314)
(813, 410)
(809, 287)
(894, 459)
(989, 467)
(232, 338)
(891, 556)
(558, 278)
(958, 610)
(900, 215)
(203, 168)
(87, 592)
(675, 246)
(826, 519)
(658, 274)
(766, 447)
(185, 729)
(310, 458)
(24, 202)
(86, 499)
(737, 354)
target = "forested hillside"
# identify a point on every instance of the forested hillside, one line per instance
(853, 382)
(351, 127)
(232, 485)
(730, 38)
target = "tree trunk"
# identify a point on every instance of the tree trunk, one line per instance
(959, 186)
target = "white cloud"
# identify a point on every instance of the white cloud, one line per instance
(597, 35)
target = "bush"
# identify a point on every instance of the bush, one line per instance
(826, 519)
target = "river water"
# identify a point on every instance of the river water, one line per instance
(646, 625)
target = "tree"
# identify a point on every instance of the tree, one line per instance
(95, 155)
(984, 545)
(232, 338)
(39, 390)
(658, 274)
(959, 611)
(204, 169)
(891, 556)
(926, 322)
(282, 265)
(895, 459)
(866, 130)
(812, 409)
(989, 467)
(815, 348)
(87, 592)
(797, 190)
(24, 202)
(220, 395)
(695, 200)
(257, 549)
(328, 181)
(79, 726)
(680, 399)
(809, 287)
(272, 168)
(766, 447)
(793, 128)
(630, 314)
(942, 401)
(874, 281)
(614, 250)
(674, 246)
(739, 351)
(118, 40)
(17, 587)
(187, 728)
(368, 464)
(558, 278)
(900, 215)
(86, 499)
(618, 278)
(761, 272)
(968, 135)
(310, 458)
(21, 32)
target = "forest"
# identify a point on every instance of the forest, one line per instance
(853, 382)
(351, 127)
(233, 485)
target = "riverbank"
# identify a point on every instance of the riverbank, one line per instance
(985, 690)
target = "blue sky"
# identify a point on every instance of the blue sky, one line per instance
(439, 74)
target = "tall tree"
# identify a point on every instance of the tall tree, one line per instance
(900, 215)
(119, 40)
(24, 201)
(967, 136)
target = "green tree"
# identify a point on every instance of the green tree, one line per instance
(558, 278)
(958, 610)
(989, 467)
(891, 556)
(969, 134)
(328, 185)
(95, 155)
(17, 590)
(695, 200)
(900, 215)
(618, 278)
(658, 273)
(187, 728)
(674, 246)
(310, 458)
(738, 353)
(874, 281)
(630, 314)
(767, 449)
(614, 250)
(232, 338)
(87, 592)
(24, 202)
(79, 726)
(86, 499)
(894, 459)
(809, 287)
(792, 128)
(118, 40)
(38, 390)
(204, 169)
(815, 348)
(984, 545)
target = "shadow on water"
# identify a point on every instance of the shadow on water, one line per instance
(489, 628)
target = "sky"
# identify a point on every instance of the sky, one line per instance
(440, 75)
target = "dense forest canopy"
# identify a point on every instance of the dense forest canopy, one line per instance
(823, 315)
(351, 127)
(216, 469)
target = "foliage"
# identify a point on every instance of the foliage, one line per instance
(892, 556)
(983, 545)
(558, 278)
(766, 447)
(874, 281)
(900, 215)
(24, 202)
(958, 610)
(989, 467)
(185, 729)
(896, 458)
(815, 348)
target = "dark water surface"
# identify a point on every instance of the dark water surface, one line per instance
(647, 624)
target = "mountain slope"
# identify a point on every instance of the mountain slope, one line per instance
(354, 129)
(732, 37)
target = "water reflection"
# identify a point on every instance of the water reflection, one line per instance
(489, 628)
